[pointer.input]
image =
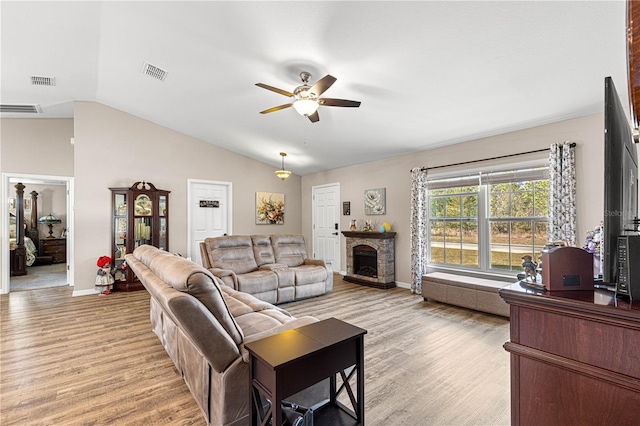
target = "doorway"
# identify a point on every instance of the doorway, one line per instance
(210, 213)
(54, 270)
(326, 223)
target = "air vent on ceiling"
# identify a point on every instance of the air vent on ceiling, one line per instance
(153, 71)
(23, 109)
(43, 81)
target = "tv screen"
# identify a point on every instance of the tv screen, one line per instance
(620, 180)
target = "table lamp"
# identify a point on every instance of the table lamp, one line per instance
(50, 220)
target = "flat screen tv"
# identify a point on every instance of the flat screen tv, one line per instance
(620, 180)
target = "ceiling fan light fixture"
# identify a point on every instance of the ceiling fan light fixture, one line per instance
(282, 173)
(306, 107)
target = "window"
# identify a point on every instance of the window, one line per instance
(488, 221)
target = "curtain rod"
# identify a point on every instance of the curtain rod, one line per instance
(424, 169)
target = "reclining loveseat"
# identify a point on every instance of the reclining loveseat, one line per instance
(273, 268)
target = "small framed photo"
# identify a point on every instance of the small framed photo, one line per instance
(346, 208)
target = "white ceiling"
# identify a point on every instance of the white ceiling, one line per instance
(427, 73)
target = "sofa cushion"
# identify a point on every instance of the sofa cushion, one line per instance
(289, 249)
(188, 277)
(262, 249)
(234, 252)
(257, 322)
(240, 303)
(309, 274)
(260, 281)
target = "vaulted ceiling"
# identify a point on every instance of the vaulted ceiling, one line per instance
(427, 73)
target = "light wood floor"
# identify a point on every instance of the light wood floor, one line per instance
(93, 360)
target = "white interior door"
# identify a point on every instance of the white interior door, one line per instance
(209, 213)
(326, 223)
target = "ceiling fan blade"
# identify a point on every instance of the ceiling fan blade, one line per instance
(314, 117)
(338, 102)
(275, 89)
(323, 84)
(274, 109)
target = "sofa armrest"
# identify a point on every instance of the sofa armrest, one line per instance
(204, 331)
(315, 262)
(227, 276)
(319, 262)
(298, 322)
(222, 272)
(204, 255)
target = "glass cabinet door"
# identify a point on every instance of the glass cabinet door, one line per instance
(143, 231)
(162, 213)
(120, 235)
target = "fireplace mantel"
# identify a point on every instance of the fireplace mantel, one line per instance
(369, 234)
(384, 245)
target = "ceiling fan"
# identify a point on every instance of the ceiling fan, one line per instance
(306, 98)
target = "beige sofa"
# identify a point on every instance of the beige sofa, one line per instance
(203, 325)
(273, 268)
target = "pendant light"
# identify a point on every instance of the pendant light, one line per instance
(283, 173)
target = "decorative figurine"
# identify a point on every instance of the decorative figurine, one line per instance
(367, 226)
(529, 268)
(104, 279)
(353, 226)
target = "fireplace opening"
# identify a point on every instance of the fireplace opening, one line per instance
(365, 261)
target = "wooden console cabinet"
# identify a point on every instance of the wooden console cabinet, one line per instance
(54, 247)
(575, 357)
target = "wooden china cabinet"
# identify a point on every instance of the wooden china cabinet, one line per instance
(140, 215)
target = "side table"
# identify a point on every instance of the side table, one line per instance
(288, 362)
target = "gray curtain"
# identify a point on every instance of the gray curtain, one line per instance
(418, 228)
(562, 193)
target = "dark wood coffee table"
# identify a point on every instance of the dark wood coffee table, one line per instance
(288, 362)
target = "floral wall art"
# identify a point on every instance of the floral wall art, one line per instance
(375, 201)
(269, 208)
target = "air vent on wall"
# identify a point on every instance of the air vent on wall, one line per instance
(153, 71)
(43, 81)
(28, 109)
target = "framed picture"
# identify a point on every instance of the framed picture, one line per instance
(346, 208)
(375, 201)
(27, 204)
(269, 208)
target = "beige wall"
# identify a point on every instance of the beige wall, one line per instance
(115, 149)
(36, 146)
(394, 175)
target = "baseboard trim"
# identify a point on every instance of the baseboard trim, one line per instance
(403, 285)
(84, 292)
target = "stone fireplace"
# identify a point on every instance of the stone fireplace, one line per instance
(371, 258)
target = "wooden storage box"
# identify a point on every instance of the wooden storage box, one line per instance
(566, 269)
